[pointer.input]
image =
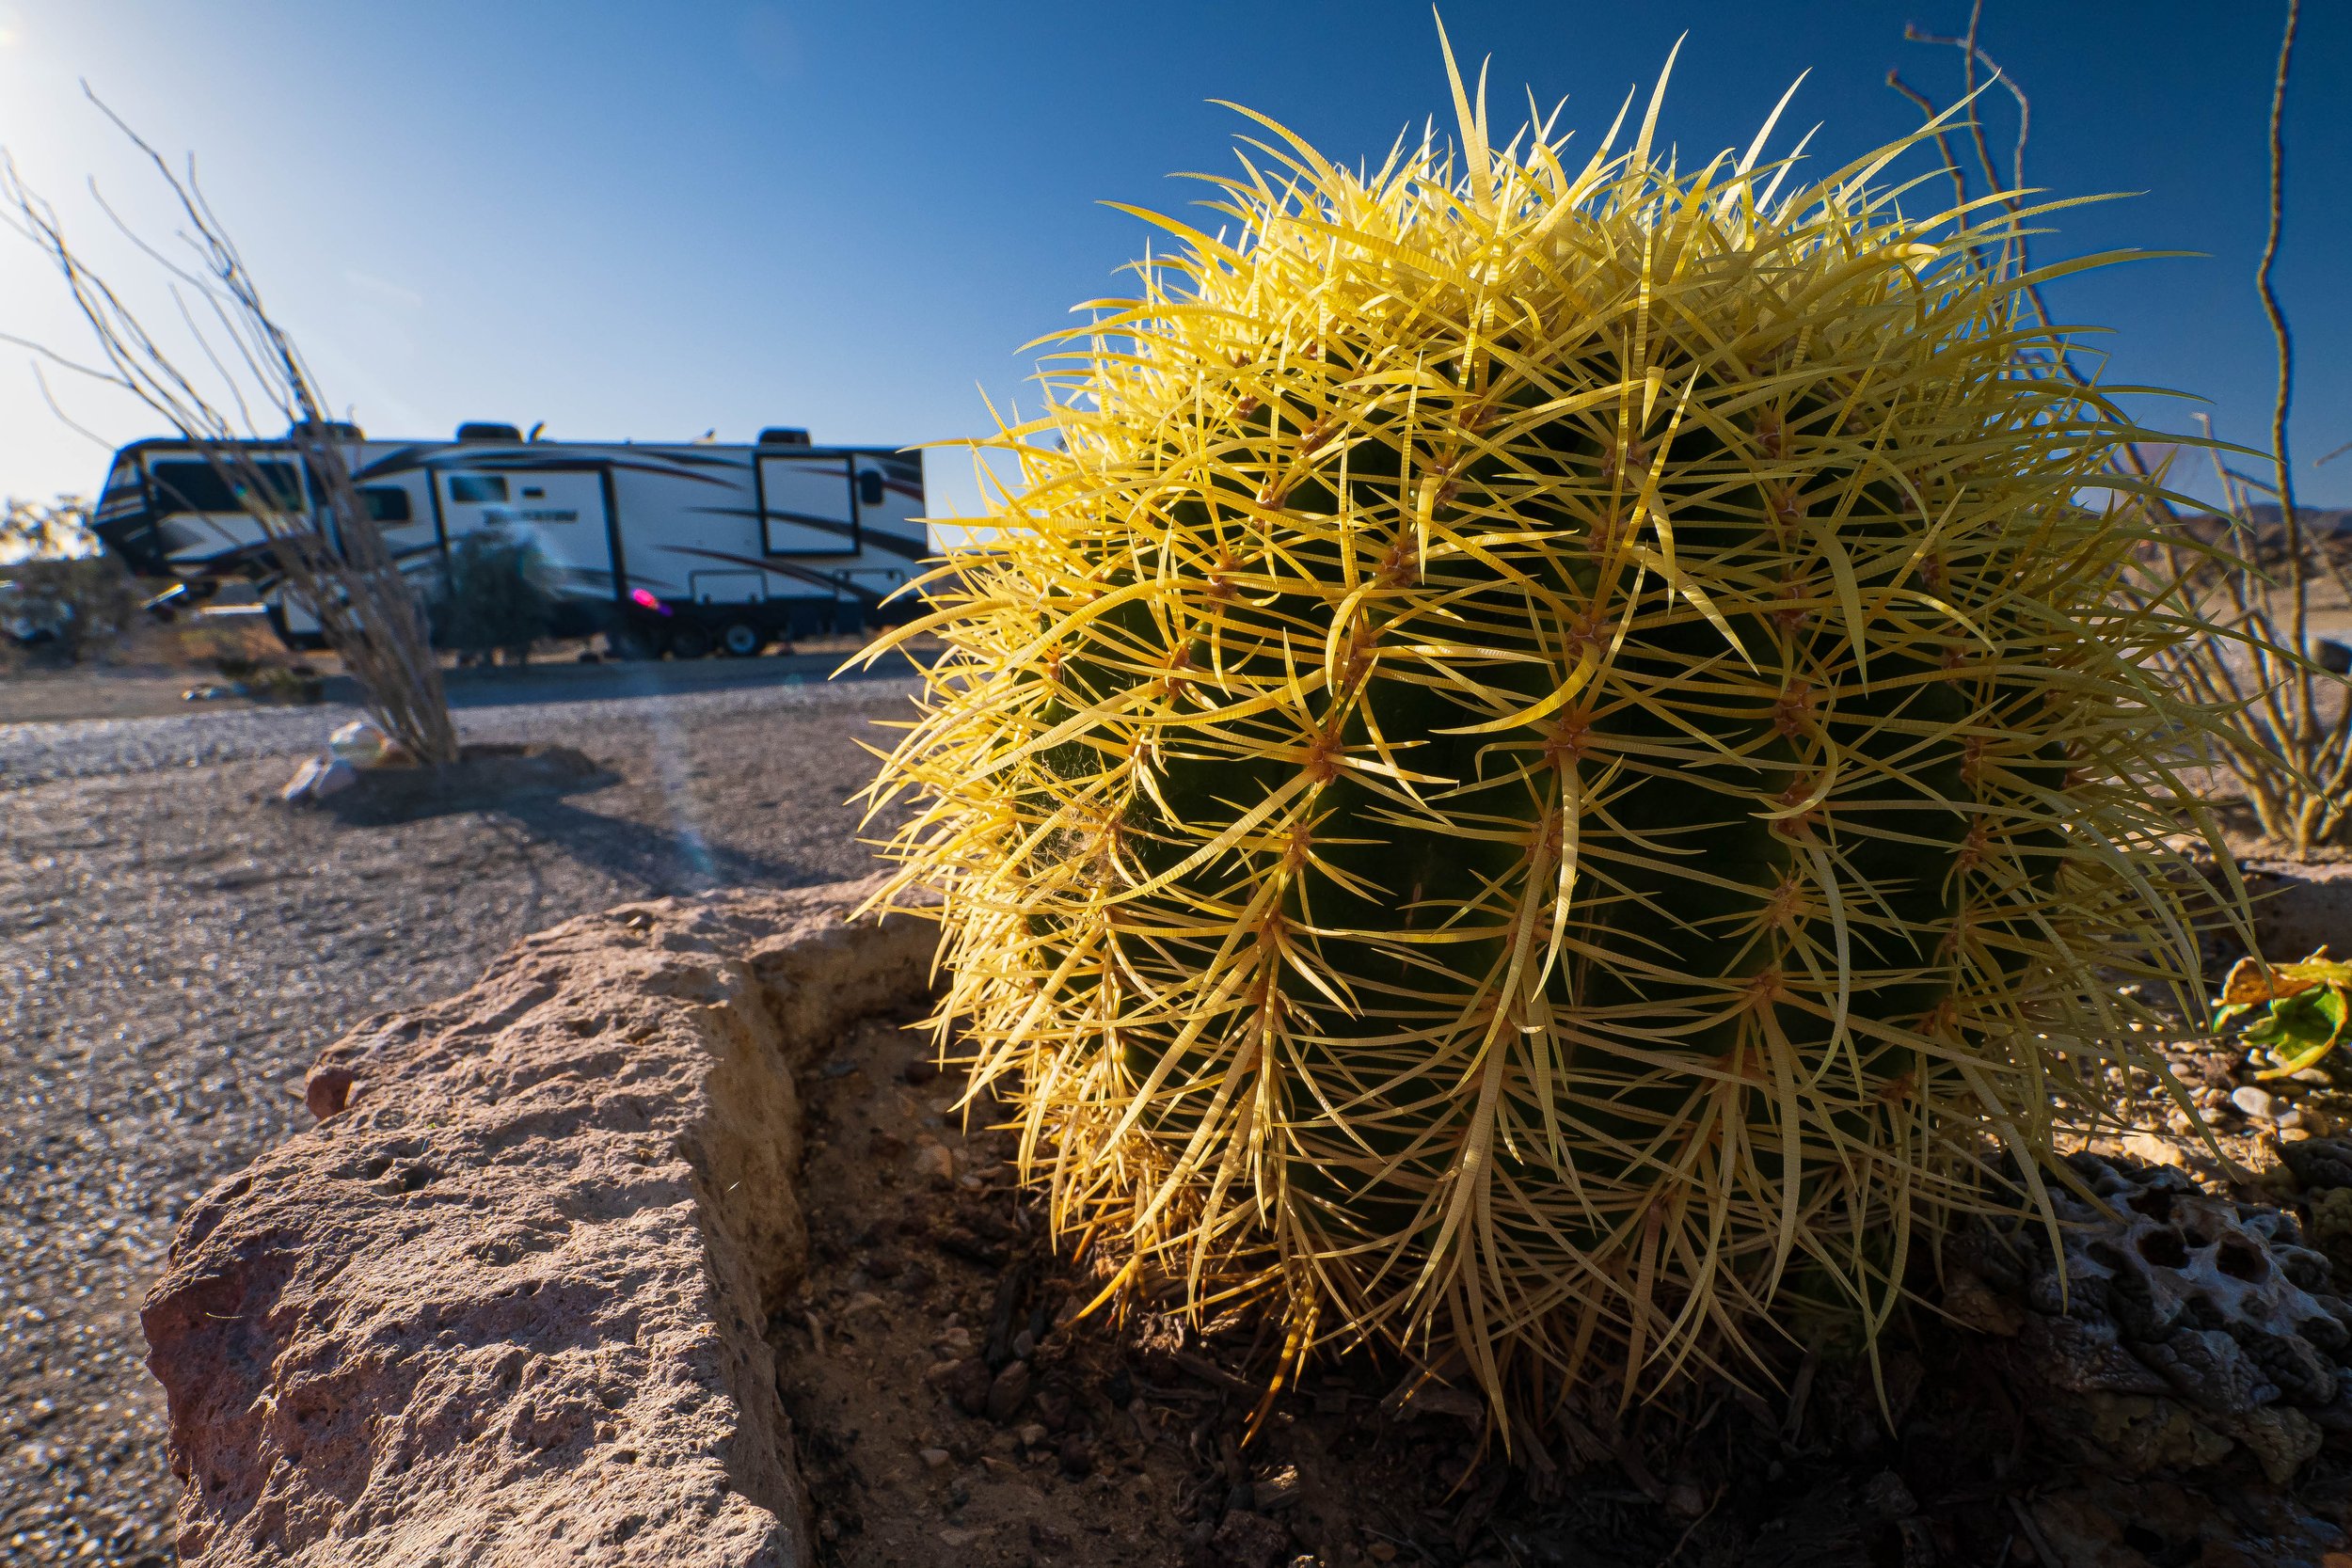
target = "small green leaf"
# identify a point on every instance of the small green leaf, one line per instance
(2302, 1029)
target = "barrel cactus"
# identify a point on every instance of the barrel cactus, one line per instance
(1545, 751)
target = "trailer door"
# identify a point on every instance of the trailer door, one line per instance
(561, 511)
(807, 505)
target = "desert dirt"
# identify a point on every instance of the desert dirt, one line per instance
(952, 1407)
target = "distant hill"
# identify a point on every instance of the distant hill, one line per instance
(2318, 521)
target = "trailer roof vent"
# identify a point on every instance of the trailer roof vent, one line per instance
(326, 430)
(485, 430)
(783, 436)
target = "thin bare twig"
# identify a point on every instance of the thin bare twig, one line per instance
(2291, 741)
(2285, 344)
(321, 539)
(1942, 141)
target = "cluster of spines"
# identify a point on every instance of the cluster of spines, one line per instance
(1546, 457)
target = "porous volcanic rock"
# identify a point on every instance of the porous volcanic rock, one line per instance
(2188, 1332)
(489, 1311)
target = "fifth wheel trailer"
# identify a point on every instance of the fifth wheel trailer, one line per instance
(683, 549)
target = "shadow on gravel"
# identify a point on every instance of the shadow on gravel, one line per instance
(525, 787)
(485, 778)
(661, 861)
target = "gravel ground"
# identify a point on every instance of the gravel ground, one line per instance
(174, 950)
(91, 747)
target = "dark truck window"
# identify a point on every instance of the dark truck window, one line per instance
(198, 486)
(476, 489)
(386, 503)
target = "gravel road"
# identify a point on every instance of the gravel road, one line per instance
(175, 948)
(88, 748)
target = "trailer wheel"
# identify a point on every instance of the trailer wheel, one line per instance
(741, 639)
(633, 645)
(690, 642)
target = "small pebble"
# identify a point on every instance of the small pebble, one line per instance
(1277, 1491)
(2290, 1117)
(2253, 1100)
(935, 1459)
(1009, 1392)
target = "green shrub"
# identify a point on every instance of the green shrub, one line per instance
(496, 596)
(63, 610)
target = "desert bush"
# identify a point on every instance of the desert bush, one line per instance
(496, 596)
(2252, 575)
(53, 531)
(333, 560)
(65, 609)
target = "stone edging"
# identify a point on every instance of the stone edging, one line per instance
(489, 1311)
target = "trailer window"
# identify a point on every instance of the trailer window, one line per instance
(122, 482)
(200, 486)
(386, 503)
(476, 489)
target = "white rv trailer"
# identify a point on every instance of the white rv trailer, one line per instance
(684, 548)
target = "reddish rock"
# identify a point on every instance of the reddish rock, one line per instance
(492, 1310)
(326, 1091)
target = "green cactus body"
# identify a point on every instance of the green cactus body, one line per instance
(1543, 748)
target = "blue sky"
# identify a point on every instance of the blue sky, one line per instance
(649, 220)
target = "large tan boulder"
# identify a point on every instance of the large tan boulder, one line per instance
(504, 1303)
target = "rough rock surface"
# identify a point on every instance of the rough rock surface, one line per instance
(2189, 1332)
(2299, 908)
(488, 1311)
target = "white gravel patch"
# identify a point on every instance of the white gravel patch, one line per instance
(33, 754)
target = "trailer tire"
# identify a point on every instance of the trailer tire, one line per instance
(690, 642)
(741, 639)
(634, 644)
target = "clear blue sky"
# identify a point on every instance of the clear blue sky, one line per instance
(648, 220)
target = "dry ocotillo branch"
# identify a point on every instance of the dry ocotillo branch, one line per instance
(2290, 739)
(330, 554)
